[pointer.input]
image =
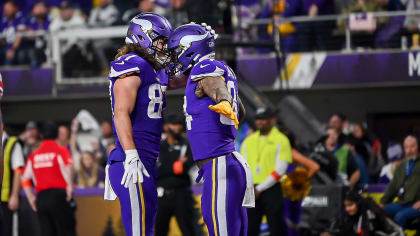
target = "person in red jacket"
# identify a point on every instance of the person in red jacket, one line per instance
(49, 168)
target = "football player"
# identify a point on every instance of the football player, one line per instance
(212, 108)
(137, 89)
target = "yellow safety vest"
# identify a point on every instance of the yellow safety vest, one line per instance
(263, 153)
(6, 185)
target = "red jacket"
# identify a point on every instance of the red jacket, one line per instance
(47, 167)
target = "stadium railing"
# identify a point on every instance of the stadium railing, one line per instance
(345, 33)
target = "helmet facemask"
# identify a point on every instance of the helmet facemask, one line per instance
(160, 51)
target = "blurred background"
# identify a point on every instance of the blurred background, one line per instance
(351, 65)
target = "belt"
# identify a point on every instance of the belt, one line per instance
(201, 163)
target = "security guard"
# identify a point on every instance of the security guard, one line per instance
(268, 153)
(13, 162)
(174, 184)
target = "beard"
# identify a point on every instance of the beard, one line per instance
(176, 135)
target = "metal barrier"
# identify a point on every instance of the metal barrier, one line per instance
(263, 42)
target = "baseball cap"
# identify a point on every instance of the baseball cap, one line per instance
(30, 125)
(264, 113)
(66, 5)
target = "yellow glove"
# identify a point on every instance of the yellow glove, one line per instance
(224, 108)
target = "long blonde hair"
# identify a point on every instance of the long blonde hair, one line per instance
(140, 51)
(84, 180)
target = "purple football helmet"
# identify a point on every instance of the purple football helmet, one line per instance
(188, 44)
(146, 29)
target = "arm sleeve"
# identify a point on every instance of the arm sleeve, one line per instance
(274, 177)
(28, 174)
(17, 157)
(64, 165)
(206, 68)
(66, 156)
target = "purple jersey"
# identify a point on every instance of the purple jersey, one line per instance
(210, 134)
(9, 28)
(33, 24)
(146, 118)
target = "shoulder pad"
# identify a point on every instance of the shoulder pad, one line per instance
(207, 68)
(126, 65)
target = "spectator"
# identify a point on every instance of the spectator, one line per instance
(71, 49)
(143, 6)
(13, 162)
(277, 10)
(395, 156)
(361, 38)
(30, 138)
(39, 21)
(412, 21)
(363, 217)
(370, 154)
(90, 174)
(107, 141)
(11, 23)
(391, 5)
(107, 137)
(405, 185)
(268, 153)
(175, 196)
(50, 166)
(314, 35)
(68, 19)
(105, 15)
(336, 122)
(64, 136)
(347, 166)
(177, 13)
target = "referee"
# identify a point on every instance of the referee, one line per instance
(173, 185)
(50, 166)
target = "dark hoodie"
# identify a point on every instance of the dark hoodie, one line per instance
(370, 220)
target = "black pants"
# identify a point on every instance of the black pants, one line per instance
(178, 203)
(55, 214)
(269, 203)
(6, 219)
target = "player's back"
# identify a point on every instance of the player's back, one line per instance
(146, 117)
(209, 133)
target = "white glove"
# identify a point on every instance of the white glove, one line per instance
(209, 29)
(133, 168)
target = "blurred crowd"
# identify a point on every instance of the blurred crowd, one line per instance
(24, 25)
(25, 22)
(348, 155)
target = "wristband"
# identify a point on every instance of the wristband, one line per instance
(223, 99)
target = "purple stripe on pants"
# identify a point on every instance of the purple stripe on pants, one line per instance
(138, 202)
(223, 191)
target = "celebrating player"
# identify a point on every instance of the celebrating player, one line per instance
(211, 106)
(137, 90)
